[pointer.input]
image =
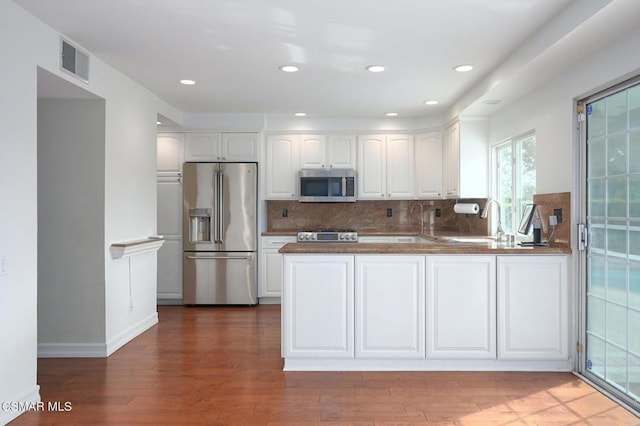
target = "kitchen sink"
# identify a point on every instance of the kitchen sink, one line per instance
(470, 239)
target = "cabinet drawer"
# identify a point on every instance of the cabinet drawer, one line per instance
(277, 242)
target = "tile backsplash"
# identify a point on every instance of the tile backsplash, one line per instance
(437, 215)
(373, 216)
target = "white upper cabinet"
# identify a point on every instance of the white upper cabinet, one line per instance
(341, 151)
(202, 147)
(428, 165)
(170, 154)
(281, 171)
(327, 152)
(372, 167)
(240, 146)
(313, 151)
(400, 159)
(222, 147)
(451, 160)
(385, 167)
(466, 159)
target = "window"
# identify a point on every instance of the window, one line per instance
(513, 178)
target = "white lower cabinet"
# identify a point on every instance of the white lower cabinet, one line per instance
(461, 306)
(389, 307)
(433, 312)
(533, 317)
(271, 266)
(170, 271)
(317, 313)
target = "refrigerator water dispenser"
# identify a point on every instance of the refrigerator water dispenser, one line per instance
(200, 225)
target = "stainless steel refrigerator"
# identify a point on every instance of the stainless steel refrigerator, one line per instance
(220, 233)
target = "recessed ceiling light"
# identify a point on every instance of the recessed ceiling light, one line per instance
(188, 82)
(492, 102)
(375, 68)
(300, 114)
(463, 68)
(158, 122)
(431, 102)
(288, 68)
(391, 114)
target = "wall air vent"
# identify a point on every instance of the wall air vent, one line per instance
(74, 60)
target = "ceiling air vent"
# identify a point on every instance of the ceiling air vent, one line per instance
(74, 61)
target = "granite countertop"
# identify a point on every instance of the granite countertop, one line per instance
(435, 246)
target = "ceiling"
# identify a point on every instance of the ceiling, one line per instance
(233, 48)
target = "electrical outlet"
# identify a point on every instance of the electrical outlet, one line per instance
(285, 212)
(558, 214)
(389, 212)
(438, 213)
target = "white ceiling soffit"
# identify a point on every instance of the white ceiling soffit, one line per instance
(51, 86)
(233, 49)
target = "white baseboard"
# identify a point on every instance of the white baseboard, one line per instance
(14, 407)
(96, 350)
(131, 333)
(72, 350)
(270, 301)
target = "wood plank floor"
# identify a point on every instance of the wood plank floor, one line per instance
(222, 366)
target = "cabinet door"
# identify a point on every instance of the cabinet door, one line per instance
(313, 152)
(428, 165)
(533, 320)
(239, 147)
(371, 167)
(271, 265)
(400, 161)
(451, 164)
(203, 147)
(170, 154)
(390, 315)
(271, 285)
(341, 151)
(461, 294)
(170, 271)
(318, 301)
(169, 206)
(281, 168)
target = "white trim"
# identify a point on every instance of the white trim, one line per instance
(96, 350)
(131, 333)
(31, 396)
(131, 248)
(354, 364)
(72, 350)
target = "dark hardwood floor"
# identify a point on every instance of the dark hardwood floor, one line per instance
(222, 366)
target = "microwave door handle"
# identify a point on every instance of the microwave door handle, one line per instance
(344, 186)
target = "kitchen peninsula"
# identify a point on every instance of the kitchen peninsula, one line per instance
(439, 304)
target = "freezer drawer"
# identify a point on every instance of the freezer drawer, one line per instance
(212, 278)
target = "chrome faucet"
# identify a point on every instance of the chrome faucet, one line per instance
(485, 212)
(421, 215)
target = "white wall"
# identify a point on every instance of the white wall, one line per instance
(71, 305)
(550, 110)
(130, 195)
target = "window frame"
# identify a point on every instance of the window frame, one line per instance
(516, 179)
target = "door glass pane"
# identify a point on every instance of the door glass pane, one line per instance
(613, 253)
(617, 113)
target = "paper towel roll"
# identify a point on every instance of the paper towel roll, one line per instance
(466, 208)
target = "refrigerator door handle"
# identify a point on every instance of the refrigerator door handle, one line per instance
(216, 228)
(219, 257)
(221, 209)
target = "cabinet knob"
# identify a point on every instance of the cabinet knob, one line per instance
(323, 166)
(224, 158)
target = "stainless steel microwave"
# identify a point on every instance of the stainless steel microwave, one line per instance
(327, 186)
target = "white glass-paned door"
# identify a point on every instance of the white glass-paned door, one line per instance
(613, 253)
